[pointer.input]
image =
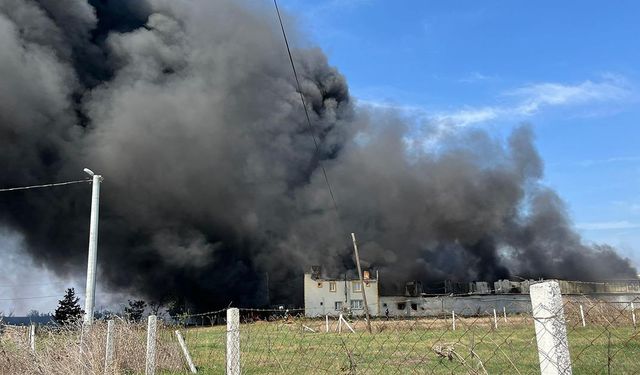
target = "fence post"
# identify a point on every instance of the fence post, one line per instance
(108, 355)
(185, 351)
(495, 319)
(150, 368)
(584, 324)
(551, 330)
(32, 338)
(504, 313)
(233, 341)
(633, 315)
(453, 320)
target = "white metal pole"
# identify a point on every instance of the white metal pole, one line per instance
(233, 341)
(633, 314)
(584, 324)
(504, 313)
(326, 322)
(90, 291)
(551, 329)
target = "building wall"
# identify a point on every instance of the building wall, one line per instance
(319, 300)
(477, 305)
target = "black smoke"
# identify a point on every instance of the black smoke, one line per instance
(212, 182)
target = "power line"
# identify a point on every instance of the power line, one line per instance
(25, 298)
(26, 285)
(304, 105)
(61, 295)
(43, 186)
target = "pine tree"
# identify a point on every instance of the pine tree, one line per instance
(134, 311)
(68, 310)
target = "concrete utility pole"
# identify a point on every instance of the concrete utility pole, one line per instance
(90, 291)
(364, 295)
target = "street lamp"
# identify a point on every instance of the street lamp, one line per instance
(90, 291)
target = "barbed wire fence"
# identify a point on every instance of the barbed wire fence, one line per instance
(549, 334)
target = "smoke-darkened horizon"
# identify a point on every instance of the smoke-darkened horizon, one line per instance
(190, 111)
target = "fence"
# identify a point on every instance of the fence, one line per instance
(550, 335)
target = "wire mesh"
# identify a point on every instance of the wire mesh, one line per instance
(495, 337)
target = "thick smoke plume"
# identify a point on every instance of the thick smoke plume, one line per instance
(212, 181)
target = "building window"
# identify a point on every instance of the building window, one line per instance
(338, 305)
(356, 304)
(357, 286)
(320, 285)
(414, 306)
(384, 305)
(401, 306)
(332, 286)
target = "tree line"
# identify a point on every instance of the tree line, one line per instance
(70, 312)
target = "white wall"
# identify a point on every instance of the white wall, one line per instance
(320, 301)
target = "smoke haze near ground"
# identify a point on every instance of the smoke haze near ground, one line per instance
(190, 111)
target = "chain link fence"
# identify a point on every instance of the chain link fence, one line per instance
(505, 336)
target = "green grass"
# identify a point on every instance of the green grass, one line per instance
(408, 347)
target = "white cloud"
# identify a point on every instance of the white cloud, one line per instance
(468, 116)
(620, 159)
(533, 97)
(608, 225)
(522, 102)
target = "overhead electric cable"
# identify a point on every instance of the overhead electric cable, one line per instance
(304, 106)
(43, 186)
(25, 285)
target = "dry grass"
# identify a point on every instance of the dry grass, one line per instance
(72, 350)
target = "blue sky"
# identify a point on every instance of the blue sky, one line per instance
(570, 69)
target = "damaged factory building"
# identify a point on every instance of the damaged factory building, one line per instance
(343, 294)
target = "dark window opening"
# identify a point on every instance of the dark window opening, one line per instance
(414, 306)
(401, 306)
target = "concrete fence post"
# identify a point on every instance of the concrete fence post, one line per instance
(453, 320)
(550, 327)
(584, 324)
(32, 338)
(633, 315)
(233, 341)
(152, 325)
(495, 319)
(108, 355)
(185, 351)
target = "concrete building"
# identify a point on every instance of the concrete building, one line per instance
(332, 296)
(342, 295)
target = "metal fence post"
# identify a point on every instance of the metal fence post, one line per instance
(551, 330)
(233, 341)
(150, 368)
(108, 355)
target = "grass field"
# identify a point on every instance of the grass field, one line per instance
(421, 347)
(607, 345)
